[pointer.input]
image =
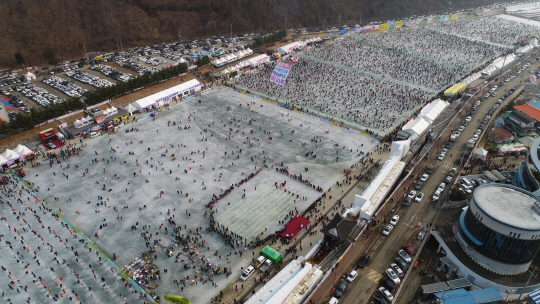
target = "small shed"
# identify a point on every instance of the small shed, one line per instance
(271, 254)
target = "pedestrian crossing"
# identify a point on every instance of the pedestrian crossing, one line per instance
(447, 165)
(374, 276)
(449, 239)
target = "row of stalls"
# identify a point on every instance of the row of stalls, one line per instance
(12, 158)
(416, 127)
(501, 62)
(291, 47)
(176, 93)
(96, 120)
(232, 57)
(251, 62)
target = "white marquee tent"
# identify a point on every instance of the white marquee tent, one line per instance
(10, 155)
(23, 150)
(164, 96)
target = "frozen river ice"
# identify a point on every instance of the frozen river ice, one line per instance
(126, 179)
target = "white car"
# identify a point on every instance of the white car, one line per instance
(393, 276)
(460, 129)
(245, 275)
(394, 220)
(386, 294)
(397, 269)
(419, 197)
(441, 187)
(466, 189)
(411, 194)
(387, 230)
(404, 255)
(424, 177)
(352, 276)
(436, 195)
(468, 118)
(441, 156)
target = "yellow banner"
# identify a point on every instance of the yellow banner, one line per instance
(383, 27)
(295, 110)
(399, 24)
(454, 17)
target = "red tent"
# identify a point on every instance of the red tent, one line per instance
(294, 227)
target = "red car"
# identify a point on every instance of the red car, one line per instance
(408, 249)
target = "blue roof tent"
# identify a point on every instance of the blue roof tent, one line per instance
(534, 297)
(204, 54)
(462, 296)
(456, 296)
(487, 295)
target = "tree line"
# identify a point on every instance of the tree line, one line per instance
(25, 121)
(268, 39)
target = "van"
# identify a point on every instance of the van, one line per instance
(245, 275)
(466, 182)
(93, 134)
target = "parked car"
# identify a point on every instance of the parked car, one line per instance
(249, 271)
(401, 263)
(51, 145)
(419, 197)
(441, 187)
(340, 290)
(412, 194)
(363, 261)
(394, 220)
(424, 177)
(408, 249)
(436, 195)
(387, 230)
(398, 270)
(388, 283)
(418, 186)
(448, 179)
(393, 276)
(378, 298)
(352, 276)
(386, 294)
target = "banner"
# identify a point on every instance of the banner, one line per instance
(371, 28)
(359, 30)
(343, 32)
(413, 22)
(446, 17)
(280, 73)
(399, 24)
(441, 18)
(391, 25)
(454, 17)
(383, 27)
(429, 20)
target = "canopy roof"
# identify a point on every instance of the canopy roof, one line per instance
(11, 155)
(160, 96)
(23, 150)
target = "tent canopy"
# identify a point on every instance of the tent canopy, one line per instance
(23, 150)
(271, 254)
(480, 153)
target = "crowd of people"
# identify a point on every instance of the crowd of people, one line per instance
(313, 86)
(35, 239)
(491, 29)
(386, 61)
(442, 47)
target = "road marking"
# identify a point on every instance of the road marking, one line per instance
(374, 276)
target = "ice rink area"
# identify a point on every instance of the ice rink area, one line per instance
(130, 187)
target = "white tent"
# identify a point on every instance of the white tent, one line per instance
(288, 48)
(416, 127)
(248, 51)
(3, 160)
(433, 110)
(258, 60)
(29, 76)
(163, 96)
(480, 153)
(23, 150)
(11, 155)
(130, 109)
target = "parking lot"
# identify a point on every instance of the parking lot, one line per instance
(73, 79)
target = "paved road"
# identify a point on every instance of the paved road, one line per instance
(384, 249)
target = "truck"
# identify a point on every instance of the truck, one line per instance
(471, 143)
(265, 265)
(259, 261)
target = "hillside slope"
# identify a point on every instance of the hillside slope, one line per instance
(64, 27)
